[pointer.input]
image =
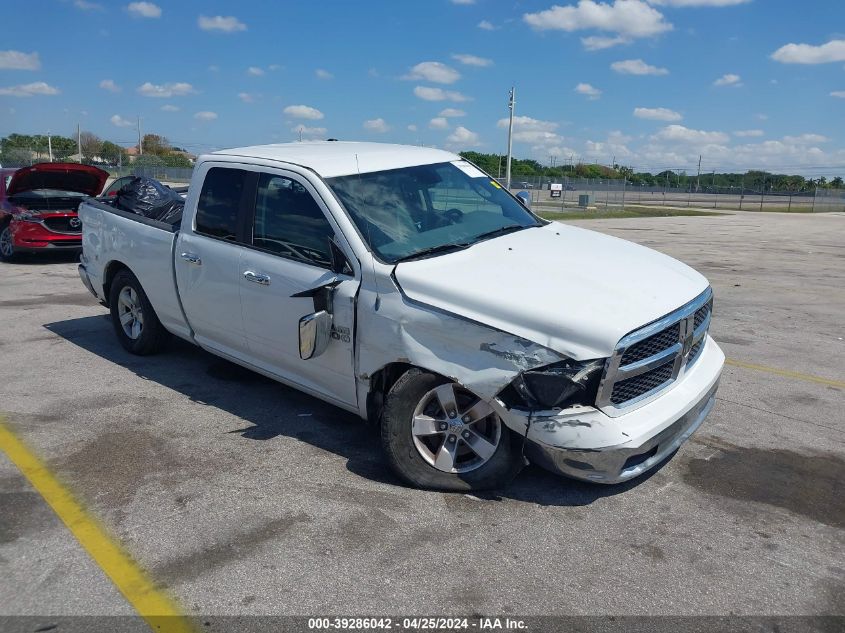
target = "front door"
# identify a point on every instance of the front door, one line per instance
(289, 253)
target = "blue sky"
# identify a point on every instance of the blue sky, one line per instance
(655, 83)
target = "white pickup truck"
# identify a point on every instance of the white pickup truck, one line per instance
(407, 286)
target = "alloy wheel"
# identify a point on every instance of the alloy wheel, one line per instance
(130, 313)
(454, 430)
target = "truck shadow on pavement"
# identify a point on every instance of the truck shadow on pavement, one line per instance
(270, 409)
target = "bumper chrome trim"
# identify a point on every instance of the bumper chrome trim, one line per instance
(616, 464)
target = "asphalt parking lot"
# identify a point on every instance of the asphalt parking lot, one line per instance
(240, 496)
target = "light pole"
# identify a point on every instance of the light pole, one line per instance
(511, 104)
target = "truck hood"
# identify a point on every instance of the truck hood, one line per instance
(570, 289)
(85, 179)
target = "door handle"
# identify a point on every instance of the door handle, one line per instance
(257, 278)
(192, 258)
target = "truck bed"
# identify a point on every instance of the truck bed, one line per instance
(113, 238)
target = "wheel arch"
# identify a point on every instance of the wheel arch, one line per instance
(382, 381)
(109, 273)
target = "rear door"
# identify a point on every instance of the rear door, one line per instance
(288, 253)
(207, 256)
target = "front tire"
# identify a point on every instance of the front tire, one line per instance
(439, 435)
(7, 247)
(135, 322)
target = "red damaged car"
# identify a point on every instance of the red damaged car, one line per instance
(38, 206)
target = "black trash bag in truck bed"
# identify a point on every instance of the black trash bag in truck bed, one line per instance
(151, 199)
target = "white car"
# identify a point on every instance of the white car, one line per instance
(406, 285)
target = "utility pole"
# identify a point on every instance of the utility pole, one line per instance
(140, 145)
(698, 176)
(79, 142)
(511, 104)
(50, 145)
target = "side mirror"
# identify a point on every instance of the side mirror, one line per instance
(315, 331)
(525, 198)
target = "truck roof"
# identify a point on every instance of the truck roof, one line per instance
(341, 158)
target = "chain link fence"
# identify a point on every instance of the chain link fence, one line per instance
(620, 193)
(607, 193)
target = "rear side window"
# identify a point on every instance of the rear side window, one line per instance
(289, 222)
(220, 199)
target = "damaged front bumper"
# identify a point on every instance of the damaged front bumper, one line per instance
(584, 443)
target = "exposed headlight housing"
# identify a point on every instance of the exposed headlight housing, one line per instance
(29, 216)
(557, 386)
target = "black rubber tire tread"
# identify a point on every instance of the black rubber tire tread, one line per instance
(154, 336)
(14, 256)
(406, 461)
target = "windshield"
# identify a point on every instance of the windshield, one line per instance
(416, 210)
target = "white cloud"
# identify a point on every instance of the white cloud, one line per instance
(29, 90)
(205, 115)
(601, 42)
(838, 93)
(224, 24)
(323, 74)
(84, 5)
(427, 93)
(246, 97)
(439, 123)
(144, 10)
(628, 18)
(657, 114)
(309, 133)
(274, 67)
(165, 91)
(16, 60)
(472, 60)
(486, 25)
(681, 134)
(108, 84)
(213, 68)
(169, 108)
(412, 128)
(833, 51)
(698, 3)
(463, 1)
(433, 71)
(254, 71)
(463, 137)
(590, 91)
(637, 67)
(729, 79)
(542, 134)
(377, 125)
(805, 139)
(303, 112)
(452, 112)
(119, 121)
(748, 133)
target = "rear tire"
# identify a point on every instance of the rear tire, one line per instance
(439, 435)
(135, 322)
(7, 247)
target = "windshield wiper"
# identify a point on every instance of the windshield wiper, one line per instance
(510, 228)
(433, 250)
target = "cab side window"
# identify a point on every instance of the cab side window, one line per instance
(289, 222)
(219, 201)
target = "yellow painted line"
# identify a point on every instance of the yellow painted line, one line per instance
(159, 611)
(787, 373)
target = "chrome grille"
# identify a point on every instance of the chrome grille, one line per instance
(655, 344)
(650, 359)
(631, 388)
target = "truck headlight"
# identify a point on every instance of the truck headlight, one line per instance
(560, 385)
